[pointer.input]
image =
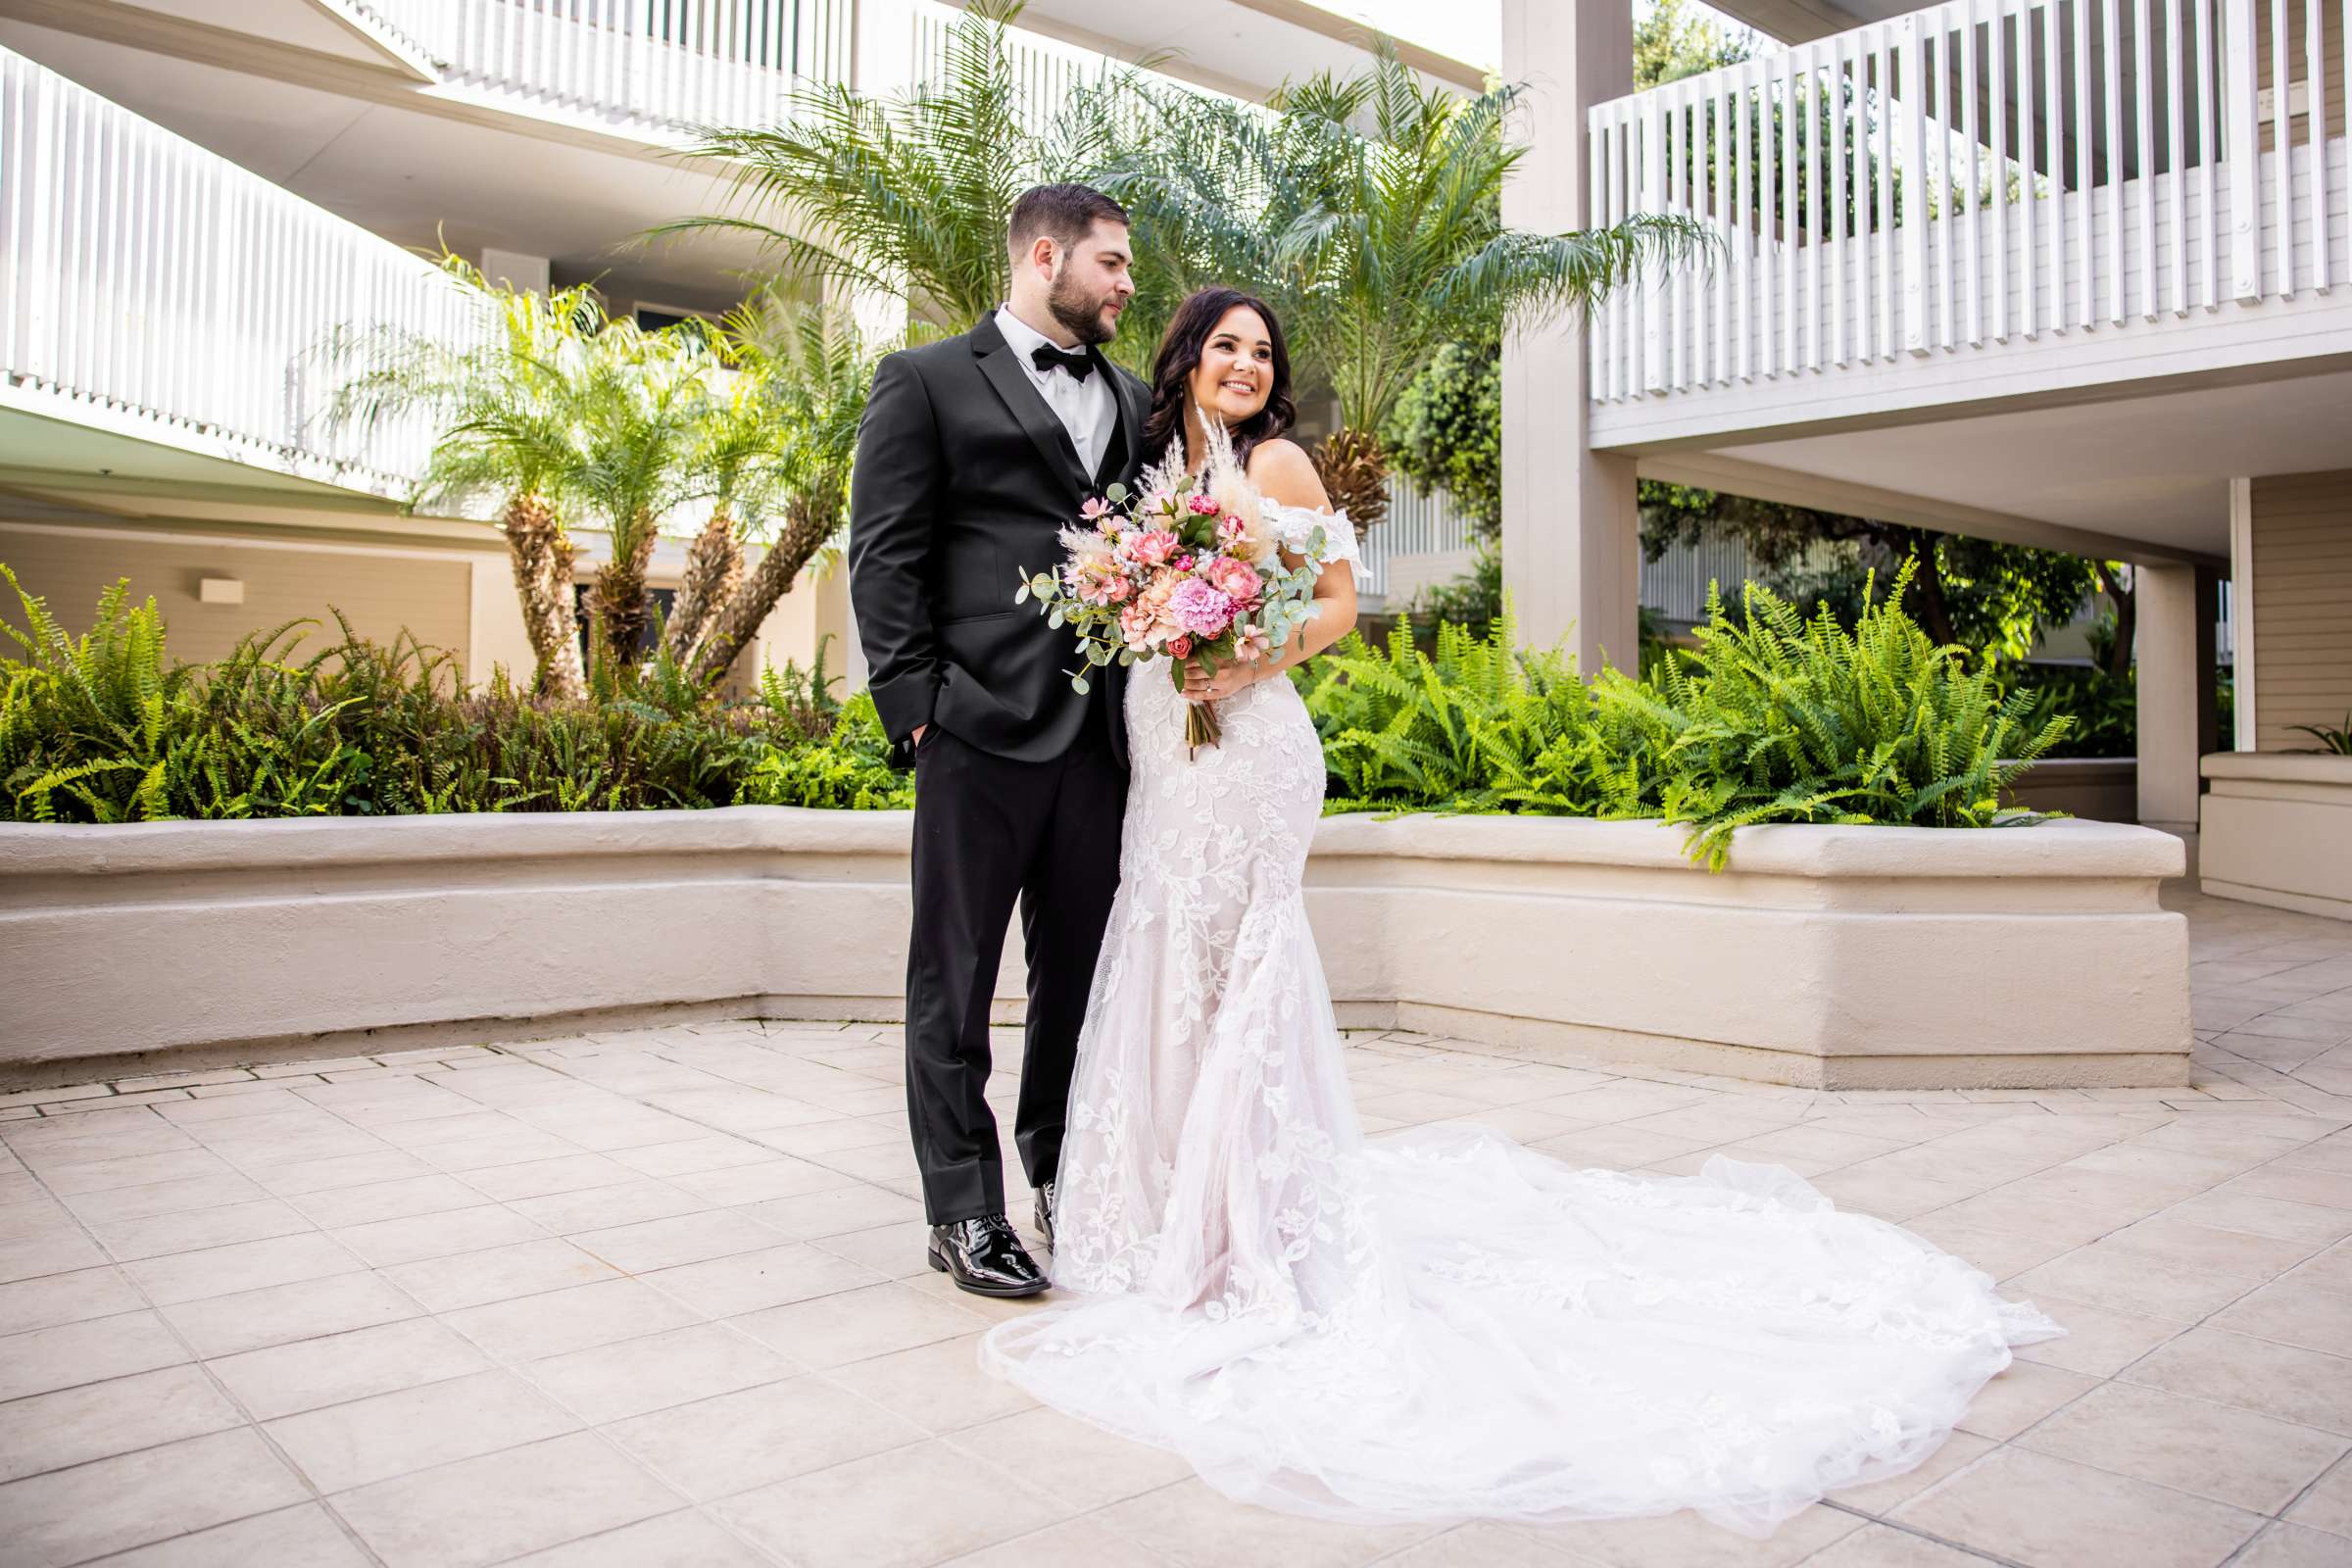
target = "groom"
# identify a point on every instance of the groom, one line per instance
(974, 451)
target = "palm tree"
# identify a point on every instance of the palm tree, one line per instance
(641, 410)
(805, 372)
(1369, 208)
(905, 195)
(506, 397)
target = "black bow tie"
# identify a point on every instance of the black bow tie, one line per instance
(1048, 358)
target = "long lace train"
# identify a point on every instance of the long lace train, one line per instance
(1441, 1324)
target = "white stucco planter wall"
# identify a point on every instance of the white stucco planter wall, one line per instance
(2275, 828)
(1837, 956)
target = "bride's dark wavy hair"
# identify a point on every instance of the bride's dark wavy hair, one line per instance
(1179, 357)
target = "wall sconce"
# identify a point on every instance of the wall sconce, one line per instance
(220, 591)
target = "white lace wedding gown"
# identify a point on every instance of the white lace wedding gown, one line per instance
(1440, 1324)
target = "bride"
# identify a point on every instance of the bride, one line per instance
(1441, 1324)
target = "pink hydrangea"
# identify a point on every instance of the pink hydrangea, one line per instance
(1236, 581)
(1200, 609)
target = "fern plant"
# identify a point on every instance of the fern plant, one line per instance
(1784, 720)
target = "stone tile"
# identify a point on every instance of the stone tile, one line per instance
(1877, 1498)
(833, 1330)
(2097, 1342)
(725, 1286)
(193, 1230)
(2137, 1283)
(279, 1314)
(2201, 1246)
(387, 1435)
(55, 1250)
(542, 1178)
(2328, 1504)
(303, 1537)
(605, 1208)
(2046, 1512)
(2306, 1386)
(852, 1515)
(92, 1350)
(175, 1197)
(419, 1237)
(399, 1198)
(719, 1447)
(96, 1420)
(2002, 1253)
(2230, 1456)
(2293, 1312)
(68, 1516)
(1078, 1464)
(578, 1318)
(497, 1274)
(330, 1172)
(891, 1252)
(682, 1540)
(1890, 1547)
(243, 1266)
(940, 1386)
(1613, 1148)
(1479, 1545)
(485, 1510)
(308, 1374)
(2019, 1396)
(2264, 1216)
(692, 1156)
(810, 1216)
(2285, 1545)
(48, 1300)
(660, 1244)
(2324, 1188)
(631, 1377)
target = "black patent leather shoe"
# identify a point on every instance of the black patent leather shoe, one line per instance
(1045, 1212)
(985, 1256)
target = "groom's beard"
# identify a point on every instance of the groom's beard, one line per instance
(1079, 313)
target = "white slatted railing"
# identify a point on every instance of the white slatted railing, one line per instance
(667, 63)
(164, 288)
(1976, 174)
(1422, 520)
(1045, 70)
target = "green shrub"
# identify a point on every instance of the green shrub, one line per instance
(849, 771)
(1774, 718)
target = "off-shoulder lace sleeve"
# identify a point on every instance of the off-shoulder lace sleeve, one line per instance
(1297, 527)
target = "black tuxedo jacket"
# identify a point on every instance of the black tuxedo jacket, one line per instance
(964, 479)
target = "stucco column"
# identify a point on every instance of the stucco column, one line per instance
(1571, 533)
(2170, 605)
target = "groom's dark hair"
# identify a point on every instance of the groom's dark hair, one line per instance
(1062, 214)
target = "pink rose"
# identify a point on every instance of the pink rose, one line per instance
(1180, 647)
(1200, 609)
(1235, 579)
(1203, 506)
(1154, 549)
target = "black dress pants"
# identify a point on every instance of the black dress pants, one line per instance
(990, 831)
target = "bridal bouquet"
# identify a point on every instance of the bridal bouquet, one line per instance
(1185, 567)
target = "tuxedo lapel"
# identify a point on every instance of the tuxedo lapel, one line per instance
(1003, 367)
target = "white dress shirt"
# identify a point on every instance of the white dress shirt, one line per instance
(1089, 409)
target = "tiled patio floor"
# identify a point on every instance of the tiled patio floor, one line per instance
(657, 1300)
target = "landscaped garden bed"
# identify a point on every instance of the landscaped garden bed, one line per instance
(1778, 860)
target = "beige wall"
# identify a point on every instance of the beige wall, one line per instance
(381, 591)
(2302, 611)
(2278, 830)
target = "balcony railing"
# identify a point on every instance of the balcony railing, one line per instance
(149, 285)
(666, 65)
(1976, 174)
